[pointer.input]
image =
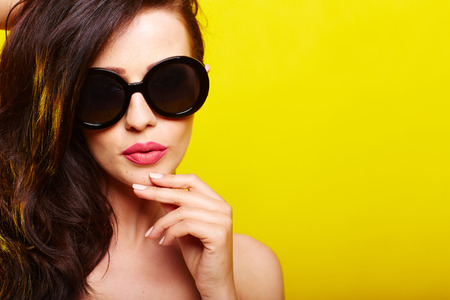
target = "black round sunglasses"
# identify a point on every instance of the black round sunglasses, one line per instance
(174, 88)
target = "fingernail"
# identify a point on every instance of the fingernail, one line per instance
(162, 240)
(155, 175)
(139, 187)
(149, 231)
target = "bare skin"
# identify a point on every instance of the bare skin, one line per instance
(174, 237)
(5, 7)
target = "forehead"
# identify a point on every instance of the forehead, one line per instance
(154, 34)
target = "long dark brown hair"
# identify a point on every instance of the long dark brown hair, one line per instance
(55, 223)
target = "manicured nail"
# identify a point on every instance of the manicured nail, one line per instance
(162, 240)
(155, 175)
(139, 187)
(149, 231)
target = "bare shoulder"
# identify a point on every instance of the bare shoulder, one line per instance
(257, 270)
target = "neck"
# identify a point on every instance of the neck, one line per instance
(134, 215)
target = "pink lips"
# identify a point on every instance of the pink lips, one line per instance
(145, 154)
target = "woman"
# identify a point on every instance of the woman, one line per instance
(96, 111)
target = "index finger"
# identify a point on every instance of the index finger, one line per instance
(189, 182)
(178, 197)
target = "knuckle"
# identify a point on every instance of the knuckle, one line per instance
(173, 231)
(227, 209)
(177, 200)
(188, 223)
(193, 178)
(160, 225)
(220, 233)
(228, 223)
(169, 233)
(156, 192)
(181, 212)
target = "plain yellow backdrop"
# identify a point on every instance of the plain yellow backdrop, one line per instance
(327, 129)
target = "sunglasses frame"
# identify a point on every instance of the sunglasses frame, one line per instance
(140, 87)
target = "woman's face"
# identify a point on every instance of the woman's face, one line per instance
(153, 35)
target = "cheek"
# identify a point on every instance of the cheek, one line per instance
(97, 144)
(183, 132)
(179, 135)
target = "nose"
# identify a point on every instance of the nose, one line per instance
(139, 115)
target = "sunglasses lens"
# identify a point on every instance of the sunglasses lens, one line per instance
(101, 100)
(174, 88)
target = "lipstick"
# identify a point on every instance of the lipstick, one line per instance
(145, 153)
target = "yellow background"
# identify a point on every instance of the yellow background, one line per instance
(327, 129)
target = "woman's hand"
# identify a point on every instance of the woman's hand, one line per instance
(202, 221)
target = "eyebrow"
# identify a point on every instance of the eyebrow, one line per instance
(122, 71)
(117, 70)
